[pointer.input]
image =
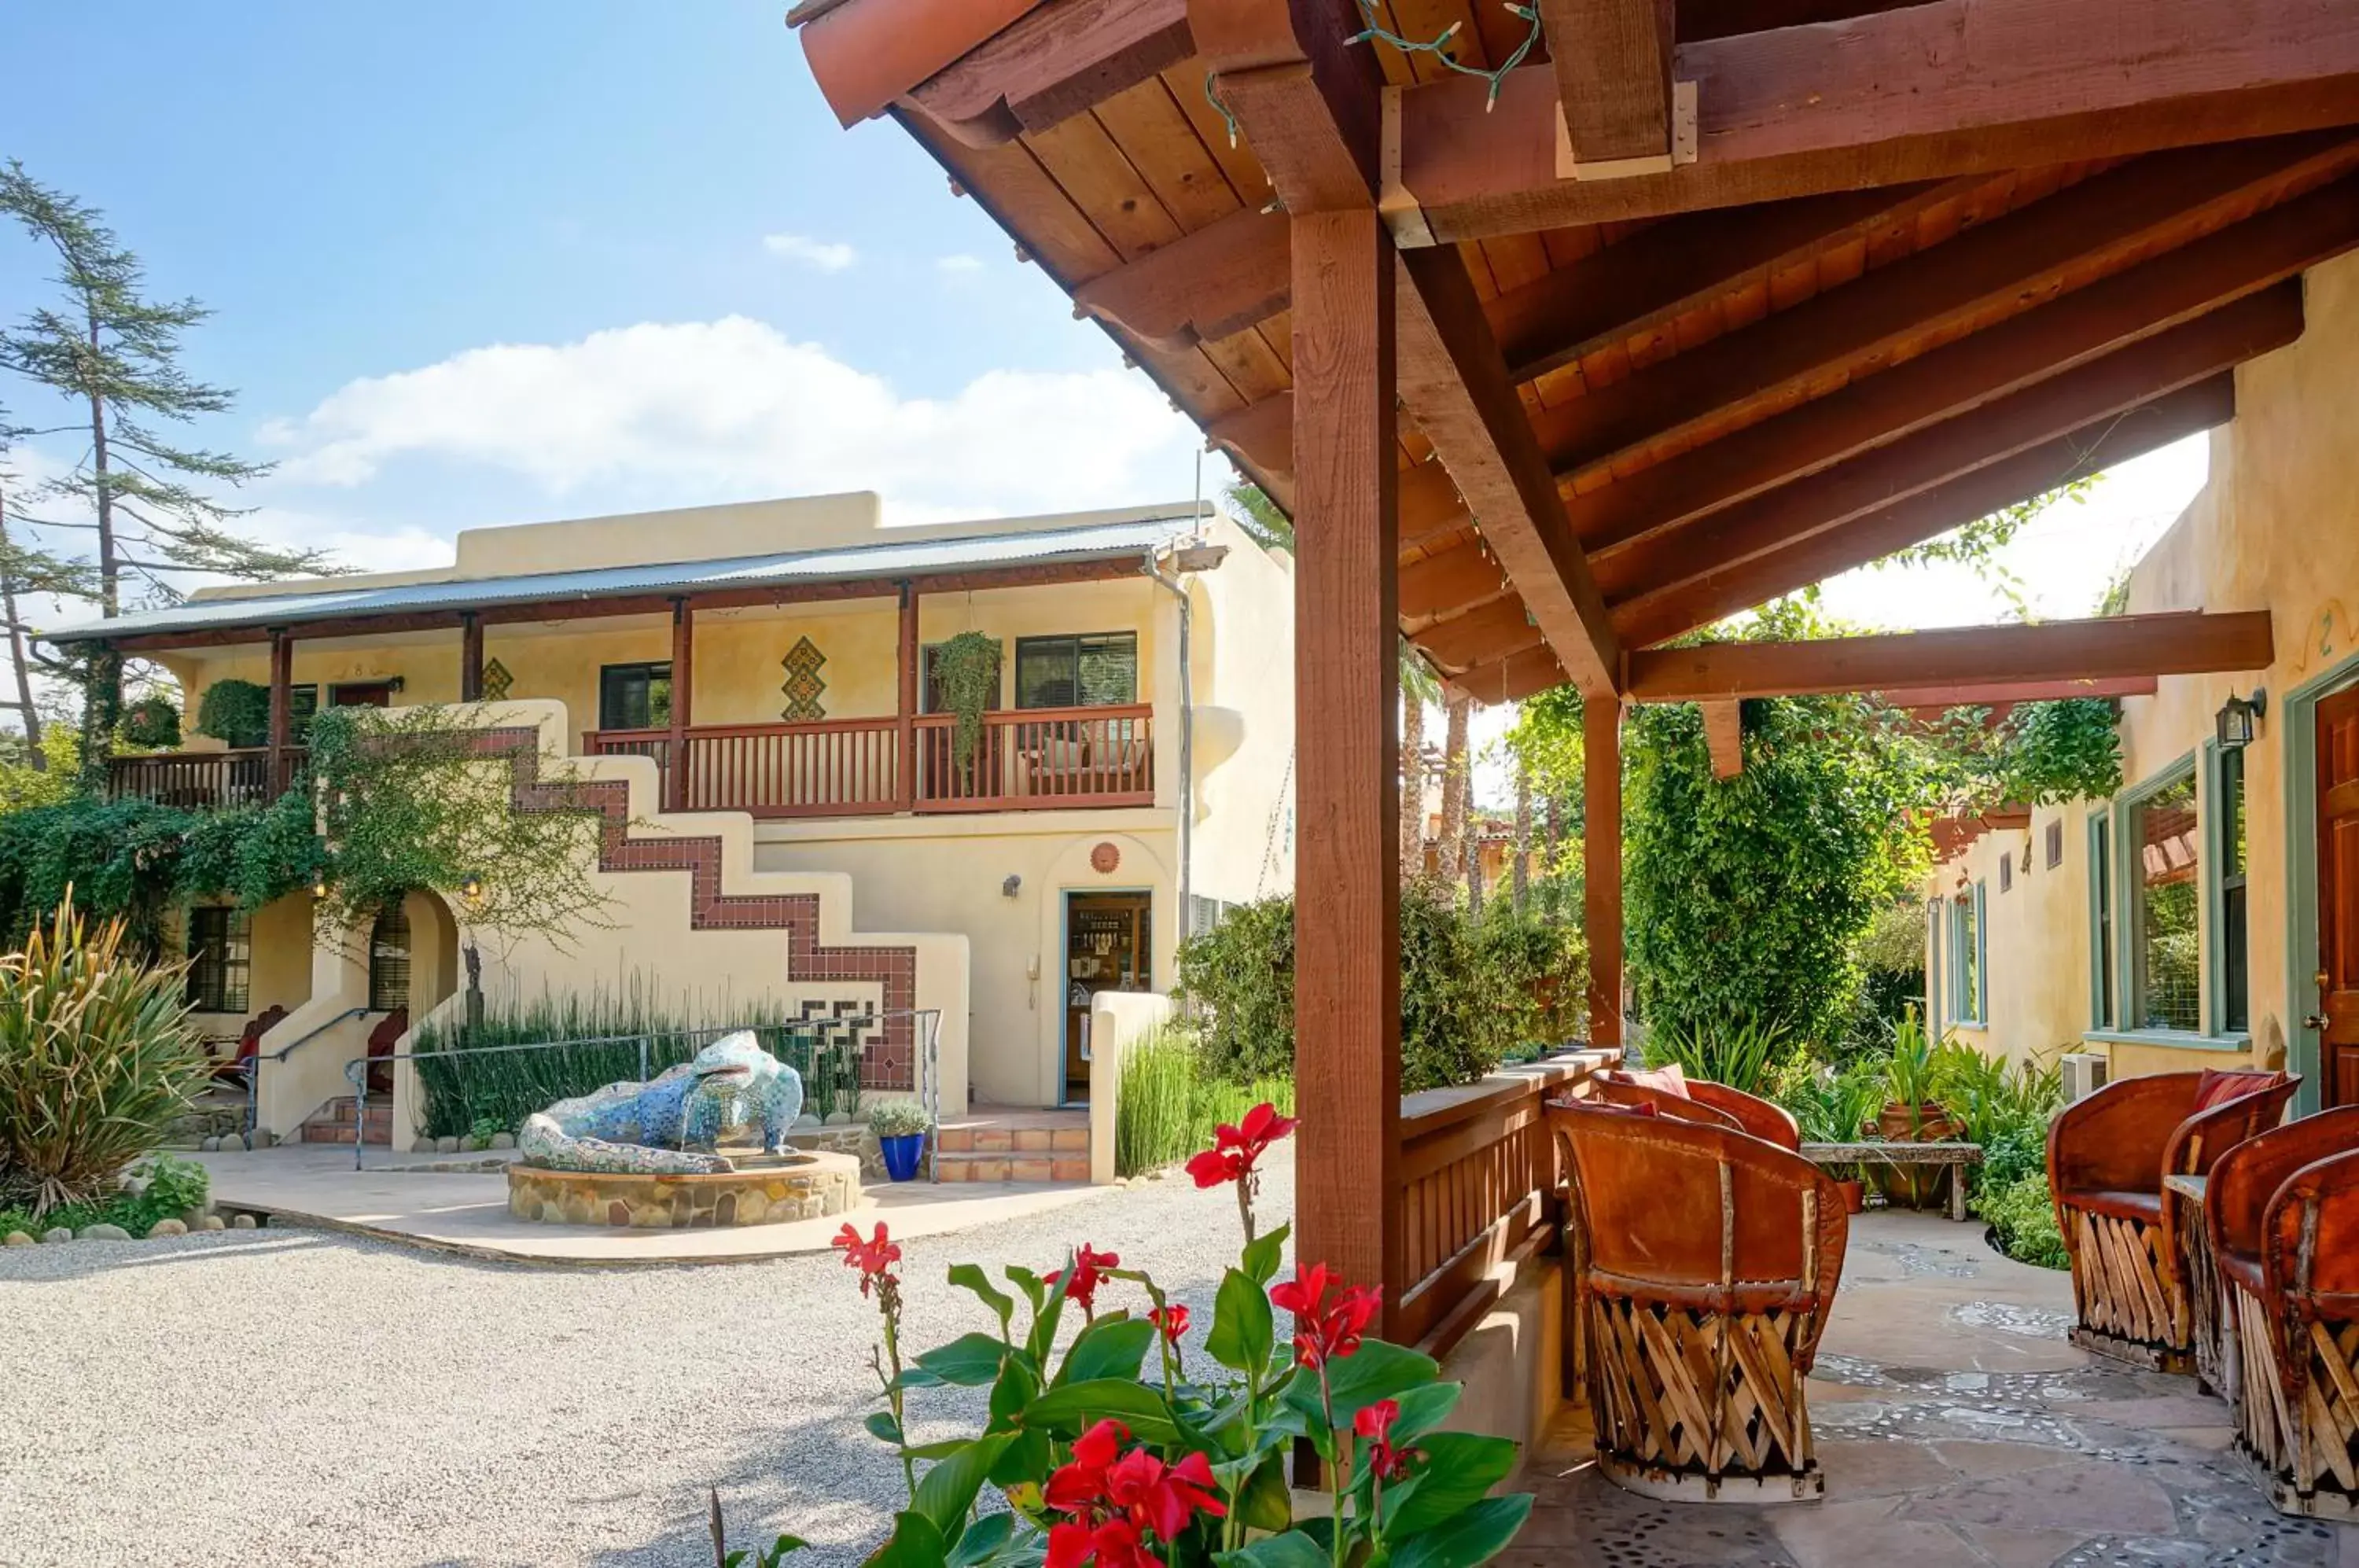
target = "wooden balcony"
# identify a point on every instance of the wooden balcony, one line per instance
(1029, 759)
(203, 780)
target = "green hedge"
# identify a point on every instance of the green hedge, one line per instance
(1168, 1105)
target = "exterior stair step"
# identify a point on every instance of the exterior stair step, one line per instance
(332, 1123)
(1015, 1147)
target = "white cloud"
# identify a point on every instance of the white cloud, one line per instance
(824, 254)
(672, 414)
(959, 263)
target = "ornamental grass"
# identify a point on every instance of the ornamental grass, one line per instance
(96, 1059)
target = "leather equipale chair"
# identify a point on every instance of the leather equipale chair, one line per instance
(1707, 1264)
(1673, 1094)
(2282, 1213)
(2107, 1156)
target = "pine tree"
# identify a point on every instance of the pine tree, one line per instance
(114, 353)
(25, 570)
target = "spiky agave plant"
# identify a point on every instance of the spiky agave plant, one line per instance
(96, 1059)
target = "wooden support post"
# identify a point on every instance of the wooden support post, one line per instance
(683, 681)
(282, 706)
(905, 772)
(1347, 917)
(471, 657)
(1600, 728)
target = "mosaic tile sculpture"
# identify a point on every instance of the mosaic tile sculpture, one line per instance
(660, 1127)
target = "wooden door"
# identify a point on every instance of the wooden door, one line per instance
(1109, 946)
(2338, 896)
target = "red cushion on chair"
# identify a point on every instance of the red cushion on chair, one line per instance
(1670, 1079)
(2217, 1088)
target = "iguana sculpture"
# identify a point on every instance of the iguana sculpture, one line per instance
(656, 1128)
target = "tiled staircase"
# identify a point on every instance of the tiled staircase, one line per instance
(993, 1145)
(332, 1123)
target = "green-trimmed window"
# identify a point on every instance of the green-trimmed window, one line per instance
(2102, 948)
(1969, 991)
(2235, 977)
(2165, 887)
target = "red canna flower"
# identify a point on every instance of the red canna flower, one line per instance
(1374, 1422)
(1121, 1501)
(1234, 1148)
(873, 1257)
(1171, 1320)
(1088, 1274)
(1324, 1332)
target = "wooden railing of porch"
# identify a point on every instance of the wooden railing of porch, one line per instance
(203, 780)
(1478, 1181)
(1029, 759)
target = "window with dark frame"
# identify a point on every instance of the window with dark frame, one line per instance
(1097, 671)
(221, 959)
(2055, 843)
(389, 961)
(2006, 873)
(2235, 966)
(634, 696)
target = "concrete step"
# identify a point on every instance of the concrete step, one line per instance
(1007, 1166)
(332, 1123)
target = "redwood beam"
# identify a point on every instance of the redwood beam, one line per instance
(1259, 435)
(2116, 438)
(1306, 98)
(282, 705)
(907, 659)
(2177, 643)
(1660, 566)
(1455, 384)
(1797, 112)
(1347, 939)
(1999, 269)
(1203, 286)
(2003, 694)
(1478, 637)
(1950, 381)
(683, 683)
(1057, 60)
(1724, 737)
(1613, 63)
(1601, 903)
(470, 657)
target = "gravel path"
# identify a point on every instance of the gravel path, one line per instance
(299, 1398)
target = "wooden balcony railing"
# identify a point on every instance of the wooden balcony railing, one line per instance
(203, 780)
(1030, 759)
(1477, 1179)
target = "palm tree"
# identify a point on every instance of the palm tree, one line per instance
(1457, 785)
(1419, 688)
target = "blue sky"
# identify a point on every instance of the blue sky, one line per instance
(487, 263)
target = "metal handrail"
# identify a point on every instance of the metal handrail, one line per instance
(253, 1069)
(926, 1069)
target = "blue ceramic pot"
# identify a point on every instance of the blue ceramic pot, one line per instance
(902, 1155)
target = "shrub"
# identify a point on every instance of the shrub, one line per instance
(96, 1059)
(1471, 989)
(152, 723)
(899, 1118)
(1169, 1103)
(2022, 1217)
(1744, 1054)
(464, 1085)
(137, 860)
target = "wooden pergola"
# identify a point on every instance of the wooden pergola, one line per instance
(1720, 299)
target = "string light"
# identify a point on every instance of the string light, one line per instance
(1439, 49)
(1220, 109)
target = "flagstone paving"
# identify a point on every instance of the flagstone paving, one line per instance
(1957, 1429)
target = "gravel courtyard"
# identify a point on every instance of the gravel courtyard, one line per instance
(299, 1398)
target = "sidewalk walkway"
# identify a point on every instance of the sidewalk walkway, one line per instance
(1957, 1430)
(467, 1212)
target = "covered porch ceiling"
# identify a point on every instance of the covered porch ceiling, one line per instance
(1734, 297)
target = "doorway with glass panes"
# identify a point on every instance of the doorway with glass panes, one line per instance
(1109, 946)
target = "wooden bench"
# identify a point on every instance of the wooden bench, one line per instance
(1879, 1152)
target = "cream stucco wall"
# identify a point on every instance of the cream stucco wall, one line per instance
(2276, 527)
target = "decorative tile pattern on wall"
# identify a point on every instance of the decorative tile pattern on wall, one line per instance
(496, 680)
(888, 1058)
(803, 687)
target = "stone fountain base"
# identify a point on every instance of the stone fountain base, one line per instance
(763, 1190)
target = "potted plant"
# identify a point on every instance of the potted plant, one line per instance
(900, 1127)
(1835, 1108)
(1912, 1114)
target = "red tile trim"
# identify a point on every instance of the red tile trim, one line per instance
(888, 1060)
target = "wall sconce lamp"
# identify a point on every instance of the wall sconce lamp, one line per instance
(2240, 719)
(320, 886)
(470, 887)
(1008, 889)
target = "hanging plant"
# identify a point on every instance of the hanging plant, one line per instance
(237, 712)
(966, 668)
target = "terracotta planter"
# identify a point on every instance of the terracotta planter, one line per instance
(1915, 1186)
(1854, 1196)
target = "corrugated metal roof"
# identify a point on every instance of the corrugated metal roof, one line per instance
(844, 564)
